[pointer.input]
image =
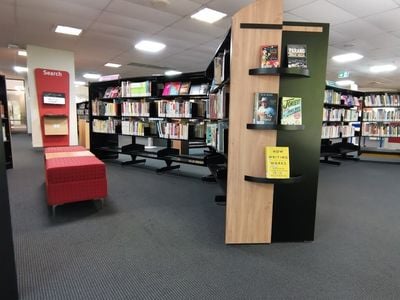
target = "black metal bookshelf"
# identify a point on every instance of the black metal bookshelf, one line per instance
(5, 123)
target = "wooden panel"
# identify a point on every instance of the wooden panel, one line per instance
(303, 28)
(55, 125)
(68, 154)
(82, 132)
(249, 205)
(87, 135)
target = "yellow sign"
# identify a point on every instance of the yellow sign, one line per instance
(277, 162)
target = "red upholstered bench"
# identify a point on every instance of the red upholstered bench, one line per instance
(73, 175)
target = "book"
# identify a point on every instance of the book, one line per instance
(184, 89)
(297, 56)
(277, 162)
(265, 108)
(291, 111)
(269, 56)
(199, 89)
(139, 89)
(171, 89)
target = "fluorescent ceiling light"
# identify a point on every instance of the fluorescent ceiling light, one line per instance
(79, 83)
(344, 82)
(347, 57)
(22, 53)
(112, 65)
(150, 46)
(208, 15)
(382, 68)
(172, 72)
(68, 30)
(19, 69)
(91, 76)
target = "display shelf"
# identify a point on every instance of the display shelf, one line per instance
(295, 72)
(382, 106)
(292, 179)
(274, 127)
(331, 105)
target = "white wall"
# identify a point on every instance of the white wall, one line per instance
(46, 58)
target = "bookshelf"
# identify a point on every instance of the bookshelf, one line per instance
(340, 133)
(261, 210)
(380, 124)
(171, 109)
(5, 123)
(82, 112)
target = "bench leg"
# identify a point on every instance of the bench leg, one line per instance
(168, 167)
(53, 210)
(133, 161)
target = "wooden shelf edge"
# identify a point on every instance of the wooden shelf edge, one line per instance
(274, 127)
(296, 72)
(293, 179)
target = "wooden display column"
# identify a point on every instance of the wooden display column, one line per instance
(249, 205)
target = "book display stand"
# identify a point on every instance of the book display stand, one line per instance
(261, 210)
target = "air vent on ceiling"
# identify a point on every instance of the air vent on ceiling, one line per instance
(135, 64)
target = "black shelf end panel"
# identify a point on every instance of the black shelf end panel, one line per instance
(293, 179)
(290, 72)
(274, 127)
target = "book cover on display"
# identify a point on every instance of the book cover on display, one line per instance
(269, 56)
(291, 112)
(184, 89)
(171, 89)
(297, 56)
(265, 108)
(277, 162)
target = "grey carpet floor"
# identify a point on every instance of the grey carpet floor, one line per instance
(162, 237)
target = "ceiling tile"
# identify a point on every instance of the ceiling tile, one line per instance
(97, 4)
(177, 7)
(292, 18)
(359, 28)
(228, 7)
(129, 35)
(36, 16)
(362, 8)
(191, 25)
(129, 23)
(7, 15)
(141, 12)
(292, 4)
(323, 11)
(60, 7)
(339, 39)
(187, 36)
(389, 20)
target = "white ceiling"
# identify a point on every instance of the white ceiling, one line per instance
(111, 27)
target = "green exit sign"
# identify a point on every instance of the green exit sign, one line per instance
(343, 74)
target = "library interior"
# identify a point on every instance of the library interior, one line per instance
(199, 149)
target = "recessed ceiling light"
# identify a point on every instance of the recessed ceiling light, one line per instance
(208, 15)
(22, 53)
(150, 46)
(382, 68)
(80, 83)
(68, 30)
(347, 57)
(19, 69)
(91, 76)
(112, 65)
(172, 72)
(344, 82)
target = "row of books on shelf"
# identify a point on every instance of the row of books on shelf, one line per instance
(162, 129)
(101, 108)
(215, 108)
(381, 130)
(266, 109)
(4, 132)
(216, 134)
(381, 115)
(1, 110)
(333, 97)
(340, 114)
(221, 67)
(339, 131)
(144, 89)
(382, 100)
(296, 56)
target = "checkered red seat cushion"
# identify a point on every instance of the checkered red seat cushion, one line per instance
(65, 169)
(64, 149)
